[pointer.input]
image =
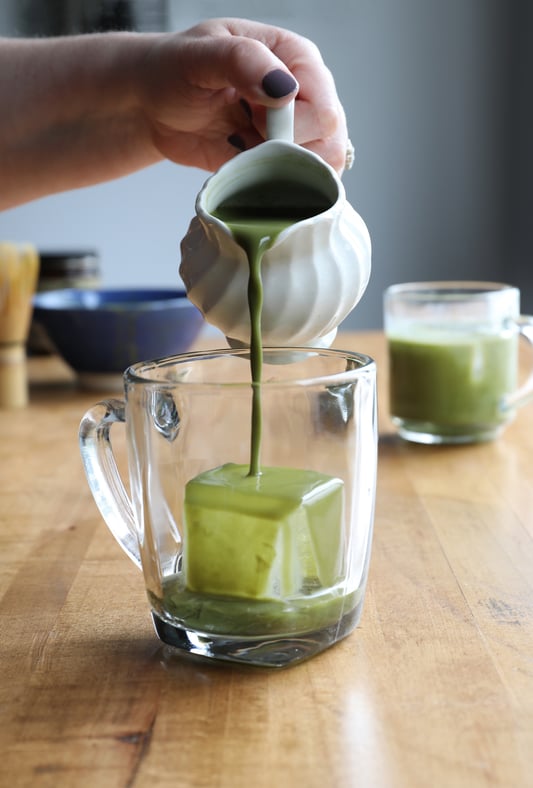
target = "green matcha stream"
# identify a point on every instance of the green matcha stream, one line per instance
(255, 236)
(263, 547)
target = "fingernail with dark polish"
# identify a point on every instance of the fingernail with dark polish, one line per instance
(246, 107)
(278, 83)
(237, 141)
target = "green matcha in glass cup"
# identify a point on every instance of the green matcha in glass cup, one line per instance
(453, 359)
(254, 543)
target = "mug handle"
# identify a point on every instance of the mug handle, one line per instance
(102, 474)
(280, 123)
(524, 393)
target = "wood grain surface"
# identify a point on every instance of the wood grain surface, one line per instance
(434, 688)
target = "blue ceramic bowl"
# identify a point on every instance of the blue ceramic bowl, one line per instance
(102, 332)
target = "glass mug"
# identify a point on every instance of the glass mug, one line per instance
(453, 359)
(267, 569)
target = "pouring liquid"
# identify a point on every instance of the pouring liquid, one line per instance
(255, 236)
(286, 575)
(256, 216)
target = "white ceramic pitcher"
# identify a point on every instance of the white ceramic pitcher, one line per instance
(313, 274)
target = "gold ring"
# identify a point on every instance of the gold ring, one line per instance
(350, 156)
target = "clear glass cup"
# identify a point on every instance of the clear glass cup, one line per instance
(453, 359)
(267, 569)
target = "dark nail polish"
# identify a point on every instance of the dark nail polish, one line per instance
(237, 141)
(278, 83)
(247, 108)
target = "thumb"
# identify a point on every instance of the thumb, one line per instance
(248, 66)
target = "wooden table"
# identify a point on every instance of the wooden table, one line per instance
(434, 689)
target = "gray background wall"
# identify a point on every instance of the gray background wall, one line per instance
(437, 94)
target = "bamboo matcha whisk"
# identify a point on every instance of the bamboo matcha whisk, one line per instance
(19, 268)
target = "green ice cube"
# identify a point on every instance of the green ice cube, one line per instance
(262, 537)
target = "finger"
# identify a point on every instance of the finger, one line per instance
(299, 55)
(319, 113)
(331, 151)
(248, 65)
(318, 105)
(332, 140)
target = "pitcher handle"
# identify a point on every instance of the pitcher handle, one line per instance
(280, 123)
(524, 394)
(103, 476)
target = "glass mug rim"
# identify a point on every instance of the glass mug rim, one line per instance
(138, 374)
(453, 291)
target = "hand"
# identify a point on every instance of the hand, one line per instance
(80, 110)
(205, 92)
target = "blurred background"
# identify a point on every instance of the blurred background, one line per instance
(438, 99)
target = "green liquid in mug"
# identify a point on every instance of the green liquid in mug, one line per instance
(264, 547)
(454, 382)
